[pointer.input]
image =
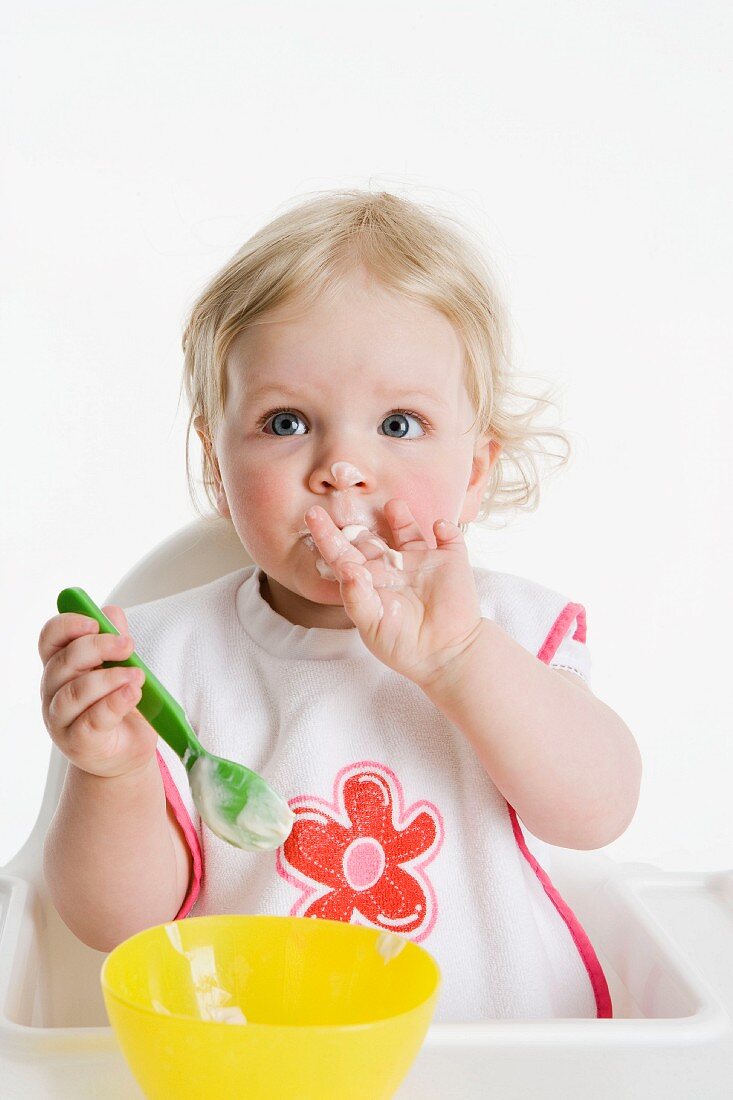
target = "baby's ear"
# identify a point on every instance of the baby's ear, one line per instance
(494, 451)
(222, 503)
(485, 454)
(203, 434)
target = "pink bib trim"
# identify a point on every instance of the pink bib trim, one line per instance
(604, 1008)
(190, 834)
(569, 614)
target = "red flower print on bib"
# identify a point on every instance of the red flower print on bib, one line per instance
(362, 858)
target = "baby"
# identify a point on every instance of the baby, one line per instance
(348, 382)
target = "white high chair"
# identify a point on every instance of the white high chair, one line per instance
(665, 942)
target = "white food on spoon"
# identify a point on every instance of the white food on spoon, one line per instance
(263, 823)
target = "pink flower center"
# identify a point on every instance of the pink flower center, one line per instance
(363, 863)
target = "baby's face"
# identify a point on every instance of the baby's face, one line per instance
(345, 405)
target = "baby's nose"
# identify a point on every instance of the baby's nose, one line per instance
(345, 475)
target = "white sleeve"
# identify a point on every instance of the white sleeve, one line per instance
(573, 655)
(542, 620)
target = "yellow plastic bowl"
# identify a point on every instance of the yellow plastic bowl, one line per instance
(332, 1012)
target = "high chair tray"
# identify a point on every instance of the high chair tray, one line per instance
(665, 942)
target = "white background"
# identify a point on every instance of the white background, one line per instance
(589, 144)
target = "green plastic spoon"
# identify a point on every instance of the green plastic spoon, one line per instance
(236, 803)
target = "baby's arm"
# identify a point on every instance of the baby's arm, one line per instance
(562, 758)
(114, 861)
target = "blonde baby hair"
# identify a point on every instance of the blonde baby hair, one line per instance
(410, 248)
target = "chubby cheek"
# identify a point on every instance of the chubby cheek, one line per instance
(261, 509)
(430, 498)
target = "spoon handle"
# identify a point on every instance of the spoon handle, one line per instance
(165, 715)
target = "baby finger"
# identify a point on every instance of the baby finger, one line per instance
(75, 707)
(81, 656)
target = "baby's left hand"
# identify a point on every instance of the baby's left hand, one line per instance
(417, 619)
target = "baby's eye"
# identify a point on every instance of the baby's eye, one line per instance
(396, 427)
(285, 422)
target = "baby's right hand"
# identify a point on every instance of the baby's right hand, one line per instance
(89, 711)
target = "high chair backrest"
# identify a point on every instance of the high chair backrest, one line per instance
(196, 554)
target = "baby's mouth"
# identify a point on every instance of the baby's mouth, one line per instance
(322, 566)
(351, 532)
